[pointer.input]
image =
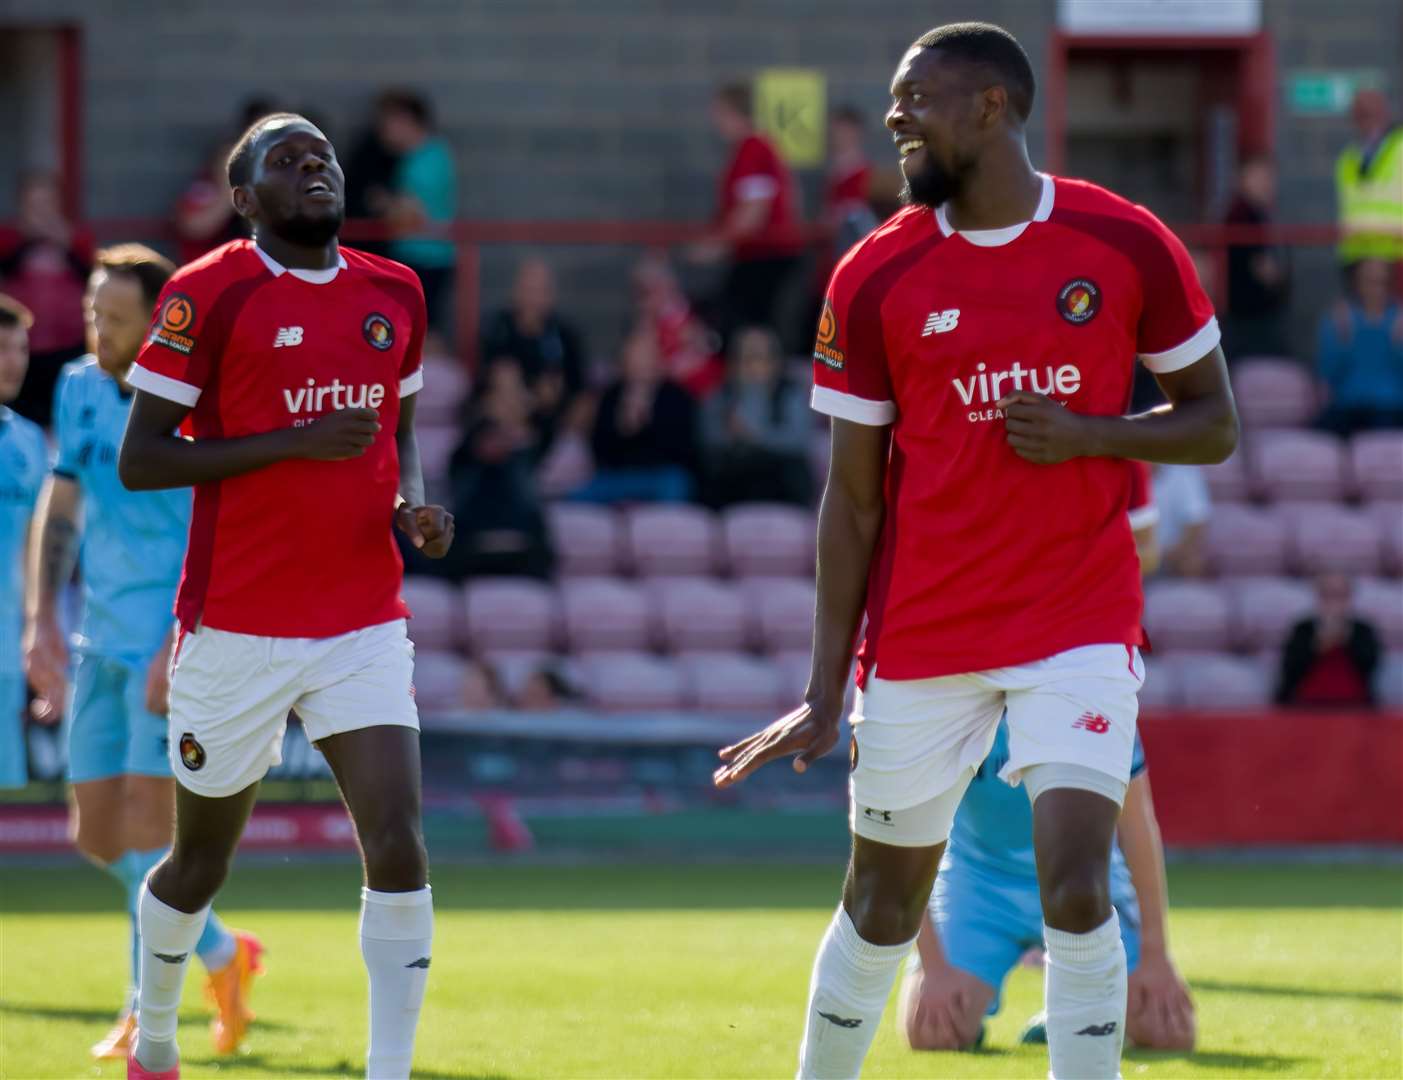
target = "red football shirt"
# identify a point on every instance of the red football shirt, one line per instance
(301, 548)
(757, 172)
(986, 560)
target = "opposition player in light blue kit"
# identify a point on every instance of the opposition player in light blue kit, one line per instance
(24, 459)
(132, 547)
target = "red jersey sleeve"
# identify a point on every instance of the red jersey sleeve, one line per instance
(851, 379)
(411, 371)
(178, 358)
(1177, 325)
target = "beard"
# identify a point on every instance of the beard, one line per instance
(934, 184)
(306, 230)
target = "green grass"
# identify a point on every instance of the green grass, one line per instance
(669, 970)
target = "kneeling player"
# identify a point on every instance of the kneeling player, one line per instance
(985, 912)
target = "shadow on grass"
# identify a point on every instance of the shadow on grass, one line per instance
(64, 1012)
(257, 1063)
(1387, 997)
(1227, 1062)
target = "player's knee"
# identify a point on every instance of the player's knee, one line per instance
(189, 878)
(97, 840)
(884, 918)
(395, 857)
(1077, 900)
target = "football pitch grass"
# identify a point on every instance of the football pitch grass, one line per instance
(683, 970)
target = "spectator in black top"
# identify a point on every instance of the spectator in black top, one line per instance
(1331, 657)
(756, 428)
(1259, 283)
(644, 438)
(546, 346)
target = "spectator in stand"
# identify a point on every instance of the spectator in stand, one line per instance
(690, 349)
(424, 193)
(493, 481)
(847, 215)
(1369, 184)
(545, 345)
(44, 264)
(644, 438)
(1360, 355)
(204, 213)
(370, 182)
(1258, 274)
(1184, 505)
(547, 688)
(756, 428)
(481, 688)
(757, 225)
(1331, 657)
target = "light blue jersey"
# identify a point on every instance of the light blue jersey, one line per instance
(133, 541)
(23, 463)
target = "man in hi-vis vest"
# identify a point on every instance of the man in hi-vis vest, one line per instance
(1369, 184)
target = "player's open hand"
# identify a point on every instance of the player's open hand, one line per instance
(340, 435)
(1159, 1010)
(429, 528)
(46, 666)
(1040, 430)
(807, 732)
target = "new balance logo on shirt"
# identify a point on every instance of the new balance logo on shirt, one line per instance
(1092, 722)
(287, 336)
(941, 322)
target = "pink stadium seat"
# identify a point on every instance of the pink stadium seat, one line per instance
(769, 538)
(1376, 462)
(604, 614)
(1388, 685)
(728, 681)
(631, 680)
(586, 537)
(671, 540)
(511, 613)
(781, 612)
(1161, 688)
(445, 385)
(436, 613)
(697, 613)
(793, 666)
(436, 446)
(1273, 392)
(438, 681)
(1381, 602)
(1297, 465)
(1246, 540)
(1186, 615)
(1210, 680)
(514, 666)
(1327, 536)
(1228, 481)
(1265, 608)
(1389, 518)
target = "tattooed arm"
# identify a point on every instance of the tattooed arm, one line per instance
(53, 549)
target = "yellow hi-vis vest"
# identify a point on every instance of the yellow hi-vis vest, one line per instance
(1371, 204)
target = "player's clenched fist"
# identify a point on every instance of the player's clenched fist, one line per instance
(429, 528)
(337, 436)
(1042, 431)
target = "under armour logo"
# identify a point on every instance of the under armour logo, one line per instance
(171, 958)
(287, 336)
(1099, 1029)
(842, 1021)
(941, 322)
(1092, 722)
(422, 962)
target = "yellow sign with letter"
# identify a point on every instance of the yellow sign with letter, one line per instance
(791, 107)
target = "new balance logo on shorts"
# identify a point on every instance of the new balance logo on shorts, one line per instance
(287, 337)
(1092, 722)
(842, 1021)
(1099, 1029)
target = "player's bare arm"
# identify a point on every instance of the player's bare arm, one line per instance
(154, 456)
(53, 551)
(429, 528)
(1198, 427)
(849, 522)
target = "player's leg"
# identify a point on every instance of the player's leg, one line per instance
(14, 759)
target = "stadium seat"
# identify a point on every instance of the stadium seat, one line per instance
(514, 666)
(793, 666)
(1381, 602)
(631, 680)
(697, 613)
(436, 613)
(1273, 392)
(781, 611)
(1376, 464)
(1263, 609)
(603, 613)
(1297, 465)
(1388, 516)
(1161, 688)
(1186, 615)
(1327, 536)
(586, 538)
(675, 539)
(1389, 684)
(729, 681)
(1228, 481)
(1209, 680)
(445, 386)
(438, 680)
(769, 538)
(1246, 540)
(511, 613)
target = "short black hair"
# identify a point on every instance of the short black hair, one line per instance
(13, 313)
(241, 157)
(409, 102)
(150, 268)
(738, 97)
(993, 48)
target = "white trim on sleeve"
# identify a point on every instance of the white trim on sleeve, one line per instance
(163, 386)
(851, 407)
(755, 187)
(1185, 353)
(412, 383)
(1142, 517)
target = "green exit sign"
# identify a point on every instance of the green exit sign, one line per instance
(1326, 93)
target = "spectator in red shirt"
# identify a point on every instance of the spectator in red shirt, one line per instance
(690, 349)
(1332, 656)
(757, 224)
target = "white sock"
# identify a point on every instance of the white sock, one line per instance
(396, 930)
(851, 982)
(168, 938)
(1085, 993)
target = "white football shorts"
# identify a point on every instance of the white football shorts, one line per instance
(231, 693)
(918, 742)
